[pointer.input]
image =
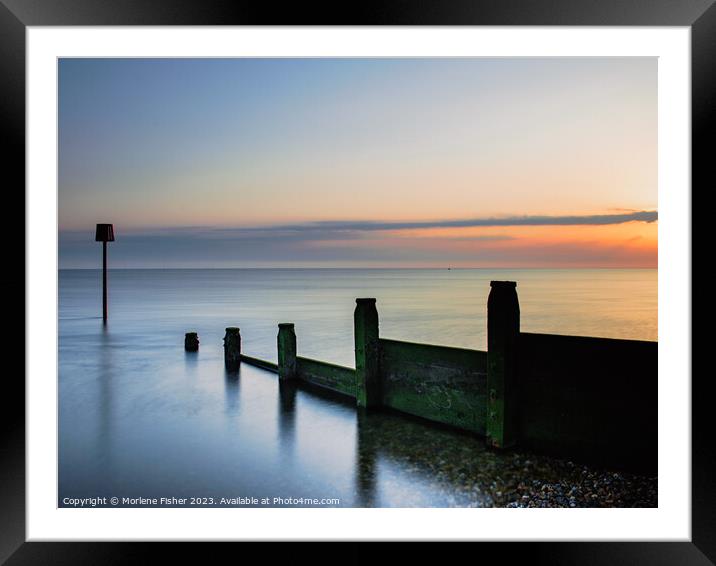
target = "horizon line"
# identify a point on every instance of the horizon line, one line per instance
(448, 268)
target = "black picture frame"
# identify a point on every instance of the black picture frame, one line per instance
(17, 15)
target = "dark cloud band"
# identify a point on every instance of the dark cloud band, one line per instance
(351, 229)
(367, 226)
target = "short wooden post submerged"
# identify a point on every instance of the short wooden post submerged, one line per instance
(286, 342)
(191, 342)
(503, 329)
(367, 352)
(232, 348)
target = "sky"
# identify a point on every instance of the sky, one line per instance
(460, 162)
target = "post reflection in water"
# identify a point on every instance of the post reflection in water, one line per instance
(232, 385)
(286, 416)
(105, 382)
(191, 360)
(365, 468)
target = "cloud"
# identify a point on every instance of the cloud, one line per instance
(347, 229)
(370, 226)
(325, 241)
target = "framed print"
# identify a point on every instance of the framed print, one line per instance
(295, 278)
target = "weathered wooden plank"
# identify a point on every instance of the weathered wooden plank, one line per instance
(270, 366)
(439, 383)
(331, 376)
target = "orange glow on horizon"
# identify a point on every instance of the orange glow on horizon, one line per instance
(631, 244)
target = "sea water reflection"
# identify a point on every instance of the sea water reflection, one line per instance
(132, 428)
(139, 417)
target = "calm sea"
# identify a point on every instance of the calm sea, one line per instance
(140, 418)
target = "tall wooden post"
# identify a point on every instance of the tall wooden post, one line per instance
(286, 342)
(367, 350)
(503, 329)
(104, 281)
(104, 234)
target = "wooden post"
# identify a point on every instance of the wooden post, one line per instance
(191, 342)
(232, 348)
(503, 329)
(286, 342)
(367, 351)
(104, 233)
(104, 281)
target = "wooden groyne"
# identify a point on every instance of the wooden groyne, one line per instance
(583, 398)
